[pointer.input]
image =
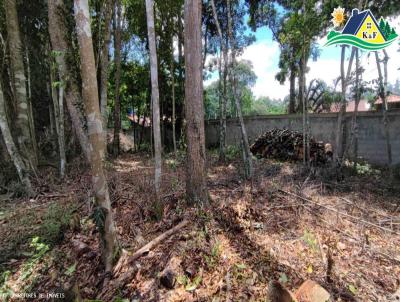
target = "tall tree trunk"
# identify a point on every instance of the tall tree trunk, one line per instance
(181, 78)
(30, 108)
(58, 102)
(11, 148)
(247, 156)
(51, 112)
(205, 45)
(196, 185)
(104, 63)
(61, 134)
(292, 92)
(57, 31)
(224, 99)
(173, 96)
(24, 119)
(339, 150)
(354, 128)
(303, 103)
(95, 130)
(301, 96)
(117, 105)
(382, 94)
(154, 95)
(222, 102)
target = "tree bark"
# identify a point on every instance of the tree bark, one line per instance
(247, 156)
(58, 104)
(57, 30)
(95, 130)
(11, 148)
(303, 103)
(24, 119)
(117, 105)
(173, 96)
(181, 78)
(292, 92)
(104, 63)
(354, 128)
(339, 150)
(382, 94)
(196, 185)
(29, 99)
(154, 95)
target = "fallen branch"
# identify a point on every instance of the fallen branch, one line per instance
(127, 258)
(338, 212)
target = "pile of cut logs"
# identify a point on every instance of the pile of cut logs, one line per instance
(285, 144)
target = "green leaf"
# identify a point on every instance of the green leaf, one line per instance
(71, 270)
(240, 265)
(283, 278)
(193, 285)
(353, 289)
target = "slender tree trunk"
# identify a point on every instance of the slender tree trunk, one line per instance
(222, 120)
(154, 95)
(117, 105)
(247, 156)
(301, 89)
(354, 131)
(304, 108)
(342, 112)
(95, 130)
(224, 50)
(57, 30)
(173, 97)
(181, 78)
(25, 140)
(29, 89)
(61, 135)
(339, 150)
(205, 45)
(104, 63)
(51, 112)
(58, 103)
(58, 100)
(11, 148)
(292, 93)
(382, 94)
(196, 185)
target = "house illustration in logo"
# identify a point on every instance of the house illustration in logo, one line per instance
(362, 30)
(364, 26)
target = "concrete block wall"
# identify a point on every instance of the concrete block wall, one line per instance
(371, 137)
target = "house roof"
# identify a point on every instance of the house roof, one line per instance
(356, 20)
(351, 105)
(354, 23)
(393, 98)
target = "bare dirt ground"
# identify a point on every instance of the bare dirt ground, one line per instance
(286, 225)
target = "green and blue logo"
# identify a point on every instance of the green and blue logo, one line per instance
(361, 30)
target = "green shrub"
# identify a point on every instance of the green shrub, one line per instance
(55, 222)
(232, 152)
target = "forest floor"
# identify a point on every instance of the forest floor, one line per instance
(286, 225)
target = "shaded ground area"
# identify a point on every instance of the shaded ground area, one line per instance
(286, 225)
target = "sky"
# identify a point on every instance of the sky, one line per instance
(264, 54)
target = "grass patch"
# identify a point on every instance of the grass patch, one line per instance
(49, 224)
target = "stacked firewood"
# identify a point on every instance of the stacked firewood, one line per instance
(285, 144)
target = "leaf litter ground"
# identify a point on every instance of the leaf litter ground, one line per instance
(251, 233)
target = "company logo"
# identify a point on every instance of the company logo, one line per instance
(361, 30)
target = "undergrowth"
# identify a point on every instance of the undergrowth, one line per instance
(47, 224)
